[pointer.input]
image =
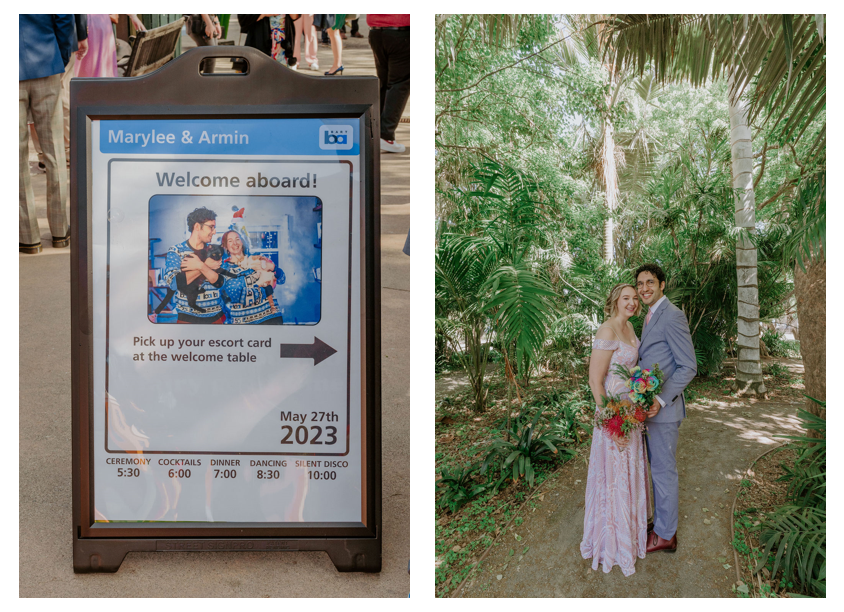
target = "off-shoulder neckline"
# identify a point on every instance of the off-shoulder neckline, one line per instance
(633, 346)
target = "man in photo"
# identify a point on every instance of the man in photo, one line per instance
(197, 294)
(665, 341)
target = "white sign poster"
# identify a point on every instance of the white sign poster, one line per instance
(226, 264)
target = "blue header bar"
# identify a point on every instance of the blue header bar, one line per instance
(231, 136)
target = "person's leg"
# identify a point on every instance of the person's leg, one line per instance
(201, 40)
(68, 74)
(397, 49)
(376, 43)
(662, 453)
(28, 232)
(297, 46)
(336, 49)
(46, 103)
(310, 39)
(36, 144)
(356, 29)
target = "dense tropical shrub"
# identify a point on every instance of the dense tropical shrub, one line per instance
(526, 443)
(794, 535)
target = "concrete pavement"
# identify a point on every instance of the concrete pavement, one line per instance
(45, 439)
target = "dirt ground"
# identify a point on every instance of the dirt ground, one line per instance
(718, 441)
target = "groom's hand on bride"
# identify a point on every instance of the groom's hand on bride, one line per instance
(654, 410)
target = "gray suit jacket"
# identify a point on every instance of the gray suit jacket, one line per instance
(667, 341)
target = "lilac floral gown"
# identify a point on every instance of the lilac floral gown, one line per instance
(616, 521)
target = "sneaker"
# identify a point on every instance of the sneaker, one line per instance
(391, 146)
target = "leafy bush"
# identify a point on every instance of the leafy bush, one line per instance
(780, 347)
(458, 486)
(776, 370)
(527, 445)
(570, 409)
(569, 344)
(797, 530)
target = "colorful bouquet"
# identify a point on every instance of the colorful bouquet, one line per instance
(643, 384)
(618, 417)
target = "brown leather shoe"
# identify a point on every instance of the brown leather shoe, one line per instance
(657, 544)
(29, 249)
(63, 241)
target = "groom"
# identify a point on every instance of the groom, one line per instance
(665, 341)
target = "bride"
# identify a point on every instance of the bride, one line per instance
(615, 525)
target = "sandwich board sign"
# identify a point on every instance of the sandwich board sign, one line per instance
(226, 313)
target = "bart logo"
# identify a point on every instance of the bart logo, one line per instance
(336, 137)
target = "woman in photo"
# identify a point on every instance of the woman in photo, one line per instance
(615, 526)
(248, 297)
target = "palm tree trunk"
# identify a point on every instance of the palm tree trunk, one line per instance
(610, 176)
(810, 290)
(749, 370)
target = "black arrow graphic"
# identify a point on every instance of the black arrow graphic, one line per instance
(319, 351)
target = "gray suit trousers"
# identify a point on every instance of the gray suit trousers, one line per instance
(662, 454)
(43, 97)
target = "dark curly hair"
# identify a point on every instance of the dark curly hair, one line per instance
(653, 269)
(200, 215)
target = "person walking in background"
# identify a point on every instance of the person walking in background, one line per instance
(355, 29)
(284, 41)
(258, 32)
(79, 48)
(352, 20)
(101, 59)
(277, 36)
(45, 43)
(389, 38)
(306, 32)
(204, 30)
(330, 26)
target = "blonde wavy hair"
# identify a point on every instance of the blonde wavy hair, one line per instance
(611, 305)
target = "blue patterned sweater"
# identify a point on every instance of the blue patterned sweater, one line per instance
(210, 300)
(245, 302)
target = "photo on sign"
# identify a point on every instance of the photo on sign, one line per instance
(235, 260)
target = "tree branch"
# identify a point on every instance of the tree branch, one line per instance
(486, 76)
(786, 187)
(762, 169)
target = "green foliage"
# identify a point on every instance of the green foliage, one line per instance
(572, 410)
(778, 346)
(568, 343)
(458, 487)
(779, 59)
(527, 444)
(486, 283)
(796, 531)
(776, 370)
(523, 105)
(807, 236)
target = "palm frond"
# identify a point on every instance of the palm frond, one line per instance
(782, 56)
